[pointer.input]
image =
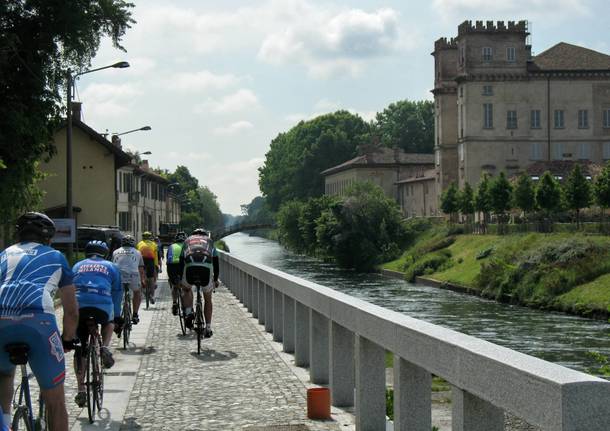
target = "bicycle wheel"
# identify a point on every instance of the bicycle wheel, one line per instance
(126, 321)
(99, 377)
(199, 325)
(149, 282)
(42, 421)
(89, 380)
(181, 315)
(21, 420)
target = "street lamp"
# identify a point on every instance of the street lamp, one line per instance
(70, 89)
(145, 128)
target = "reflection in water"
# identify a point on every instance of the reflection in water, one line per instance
(554, 337)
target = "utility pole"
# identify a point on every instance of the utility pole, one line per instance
(69, 204)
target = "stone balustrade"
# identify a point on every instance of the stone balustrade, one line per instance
(343, 341)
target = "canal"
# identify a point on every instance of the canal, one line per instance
(555, 337)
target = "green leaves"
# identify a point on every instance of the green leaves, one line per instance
(500, 194)
(601, 189)
(450, 203)
(523, 194)
(548, 193)
(408, 125)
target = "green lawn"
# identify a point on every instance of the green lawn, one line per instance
(595, 294)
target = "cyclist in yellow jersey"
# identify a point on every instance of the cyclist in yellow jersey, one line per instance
(148, 249)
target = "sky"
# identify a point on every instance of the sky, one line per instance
(217, 81)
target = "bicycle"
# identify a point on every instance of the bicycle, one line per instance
(126, 315)
(181, 315)
(94, 375)
(199, 319)
(148, 291)
(23, 419)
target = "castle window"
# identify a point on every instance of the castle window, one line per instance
(536, 151)
(583, 119)
(511, 54)
(535, 119)
(511, 119)
(488, 121)
(487, 53)
(558, 153)
(559, 119)
(606, 151)
(584, 151)
(607, 119)
(488, 90)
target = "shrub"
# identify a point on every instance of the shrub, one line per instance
(486, 252)
(428, 264)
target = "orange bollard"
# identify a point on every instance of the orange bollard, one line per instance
(318, 403)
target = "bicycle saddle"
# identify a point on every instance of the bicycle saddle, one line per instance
(18, 353)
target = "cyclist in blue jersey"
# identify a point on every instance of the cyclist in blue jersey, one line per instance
(31, 273)
(100, 296)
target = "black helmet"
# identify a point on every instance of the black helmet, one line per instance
(128, 241)
(200, 231)
(33, 226)
(180, 236)
(96, 248)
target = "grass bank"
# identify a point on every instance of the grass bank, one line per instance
(561, 271)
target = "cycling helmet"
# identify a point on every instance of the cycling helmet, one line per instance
(96, 248)
(128, 241)
(147, 235)
(180, 236)
(33, 226)
(200, 231)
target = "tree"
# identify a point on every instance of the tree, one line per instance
(601, 189)
(450, 204)
(548, 194)
(293, 163)
(466, 201)
(482, 199)
(39, 40)
(256, 212)
(408, 125)
(577, 192)
(289, 231)
(500, 193)
(523, 194)
(311, 212)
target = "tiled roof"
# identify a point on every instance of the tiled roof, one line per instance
(383, 157)
(567, 57)
(563, 168)
(429, 175)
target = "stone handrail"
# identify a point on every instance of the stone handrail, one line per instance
(343, 342)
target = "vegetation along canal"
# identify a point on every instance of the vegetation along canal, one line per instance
(555, 337)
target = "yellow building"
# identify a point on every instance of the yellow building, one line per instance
(95, 161)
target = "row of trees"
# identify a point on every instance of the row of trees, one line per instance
(547, 196)
(358, 231)
(297, 157)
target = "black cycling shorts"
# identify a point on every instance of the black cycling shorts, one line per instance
(197, 276)
(82, 331)
(149, 267)
(173, 273)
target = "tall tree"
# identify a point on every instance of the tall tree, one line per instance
(601, 189)
(293, 164)
(39, 40)
(482, 200)
(450, 203)
(548, 194)
(577, 192)
(408, 125)
(523, 194)
(466, 201)
(500, 194)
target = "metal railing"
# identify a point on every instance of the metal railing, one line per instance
(343, 341)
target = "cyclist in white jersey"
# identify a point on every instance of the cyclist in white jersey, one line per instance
(131, 264)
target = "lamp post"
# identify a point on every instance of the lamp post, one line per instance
(70, 88)
(145, 128)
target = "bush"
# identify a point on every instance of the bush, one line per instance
(428, 264)
(486, 252)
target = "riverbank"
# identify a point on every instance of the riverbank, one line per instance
(564, 271)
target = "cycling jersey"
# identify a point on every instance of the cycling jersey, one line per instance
(30, 274)
(128, 260)
(98, 284)
(148, 249)
(173, 253)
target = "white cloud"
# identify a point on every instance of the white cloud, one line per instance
(109, 100)
(241, 100)
(330, 44)
(189, 156)
(451, 10)
(234, 128)
(201, 81)
(234, 183)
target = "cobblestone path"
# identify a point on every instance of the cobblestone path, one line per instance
(239, 382)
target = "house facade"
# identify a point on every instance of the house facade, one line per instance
(500, 108)
(418, 196)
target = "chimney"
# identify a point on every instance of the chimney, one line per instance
(116, 140)
(144, 164)
(76, 111)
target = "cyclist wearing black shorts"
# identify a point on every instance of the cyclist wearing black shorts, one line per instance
(148, 248)
(173, 268)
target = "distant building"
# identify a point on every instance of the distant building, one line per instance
(95, 161)
(144, 200)
(417, 195)
(382, 166)
(498, 108)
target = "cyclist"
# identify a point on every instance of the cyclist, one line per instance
(148, 248)
(30, 274)
(100, 295)
(131, 265)
(173, 268)
(197, 261)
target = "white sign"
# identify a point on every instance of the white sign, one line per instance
(65, 230)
